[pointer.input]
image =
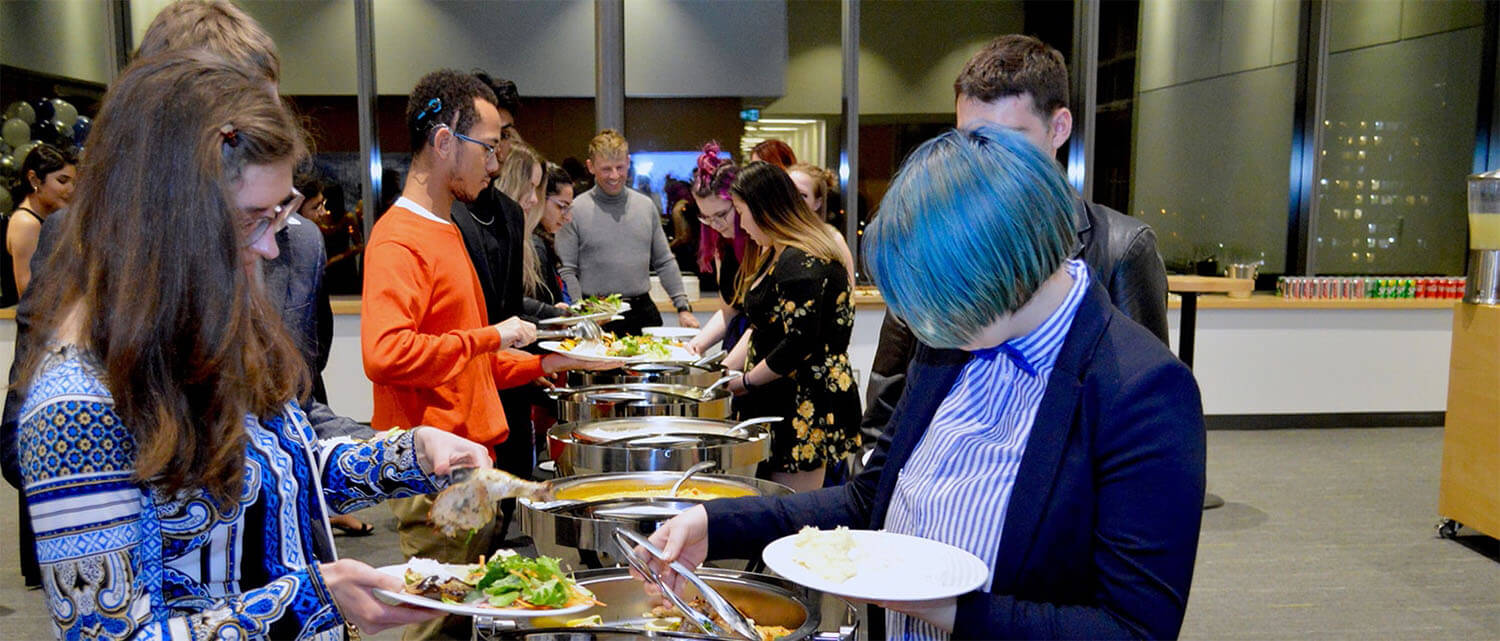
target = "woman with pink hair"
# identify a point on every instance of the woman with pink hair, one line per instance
(722, 245)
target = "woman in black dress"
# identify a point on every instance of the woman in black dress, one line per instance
(802, 314)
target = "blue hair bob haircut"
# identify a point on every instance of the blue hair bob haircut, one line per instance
(973, 223)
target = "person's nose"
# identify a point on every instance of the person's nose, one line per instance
(265, 246)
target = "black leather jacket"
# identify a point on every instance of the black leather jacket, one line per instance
(1121, 254)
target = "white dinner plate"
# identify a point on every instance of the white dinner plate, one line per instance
(890, 567)
(596, 316)
(399, 571)
(679, 333)
(675, 354)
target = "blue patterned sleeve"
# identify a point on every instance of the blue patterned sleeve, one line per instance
(358, 474)
(100, 544)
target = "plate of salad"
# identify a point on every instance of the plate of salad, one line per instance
(595, 308)
(623, 349)
(507, 586)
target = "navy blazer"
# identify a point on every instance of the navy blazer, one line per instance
(1102, 528)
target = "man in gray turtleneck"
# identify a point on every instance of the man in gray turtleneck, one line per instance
(615, 241)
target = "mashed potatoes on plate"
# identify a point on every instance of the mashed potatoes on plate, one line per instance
(826, 553)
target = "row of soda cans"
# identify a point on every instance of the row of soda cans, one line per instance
(1356, 287)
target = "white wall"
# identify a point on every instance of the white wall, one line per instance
(673, 48)
(910, 53)
(1247, 361)
(67, 38)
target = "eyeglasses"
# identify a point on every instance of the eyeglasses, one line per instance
(561, 205)
(277, 220)
(714, 218)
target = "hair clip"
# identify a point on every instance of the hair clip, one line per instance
(433, 108)
(231, 135)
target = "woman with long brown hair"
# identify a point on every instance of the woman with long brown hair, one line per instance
(795, 289)
(176, 489)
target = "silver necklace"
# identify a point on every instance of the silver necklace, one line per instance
(486, 223)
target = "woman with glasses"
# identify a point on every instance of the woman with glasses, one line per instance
(722, 244)
(555, 211)
(795, 290)
(176, 488)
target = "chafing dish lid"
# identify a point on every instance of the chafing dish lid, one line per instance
(676, 431)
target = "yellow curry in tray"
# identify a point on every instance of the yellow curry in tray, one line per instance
(635, 489)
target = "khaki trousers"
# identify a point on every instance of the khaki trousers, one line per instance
(420, 539)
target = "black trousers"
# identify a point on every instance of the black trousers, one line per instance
(642, 314)
(517, 454)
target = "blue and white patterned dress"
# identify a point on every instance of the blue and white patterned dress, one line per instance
(123, 560)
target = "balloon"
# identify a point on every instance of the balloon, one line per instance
(64, 129)
(19, 109)
(6, 204)
(66, 113)
(7, 166)
(16, 132)
(22, 151)
(44, 110)
(5, 148)
(45, 131)
(81, 129)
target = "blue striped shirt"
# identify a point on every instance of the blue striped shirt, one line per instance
(957, 485)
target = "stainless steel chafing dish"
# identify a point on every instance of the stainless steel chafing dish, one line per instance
(585, 515)
(657, 443)
(766, 599)
(665, 373)
(597, 402)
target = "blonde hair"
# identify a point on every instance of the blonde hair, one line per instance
(824, 180)
(781, 214)
(608, 144)
(514, 181)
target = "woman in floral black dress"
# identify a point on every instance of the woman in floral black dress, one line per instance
(799, 305)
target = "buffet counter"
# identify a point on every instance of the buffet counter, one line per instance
(1257, 355)
(872, 300)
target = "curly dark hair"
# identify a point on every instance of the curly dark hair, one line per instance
(1013, 65)
(444, 97)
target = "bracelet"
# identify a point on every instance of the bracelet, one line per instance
(745, 381)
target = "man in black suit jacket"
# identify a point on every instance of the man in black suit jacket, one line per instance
(1100, 532)
(1020, 83)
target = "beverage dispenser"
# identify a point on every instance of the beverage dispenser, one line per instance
(1484, 239)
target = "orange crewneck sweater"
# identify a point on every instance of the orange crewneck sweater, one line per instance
(425, 342)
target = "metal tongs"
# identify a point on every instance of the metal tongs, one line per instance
(737, 623)
(586, 330)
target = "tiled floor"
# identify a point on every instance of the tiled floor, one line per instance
(1327, 534)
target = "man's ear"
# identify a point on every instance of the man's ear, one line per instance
(589, 164)
(442, 142)
(1059, 127)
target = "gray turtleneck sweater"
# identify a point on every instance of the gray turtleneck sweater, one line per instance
(612, 246)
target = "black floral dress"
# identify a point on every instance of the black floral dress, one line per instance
(803, 315)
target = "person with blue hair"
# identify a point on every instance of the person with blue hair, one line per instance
(1041, 430)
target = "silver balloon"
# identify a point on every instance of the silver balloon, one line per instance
(16, 132)
(7, 167)
(21, 109)
(22, 151)
(64, 113)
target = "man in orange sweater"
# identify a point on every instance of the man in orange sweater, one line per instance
(427, 347)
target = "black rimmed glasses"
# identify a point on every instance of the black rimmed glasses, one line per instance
(277, 220)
